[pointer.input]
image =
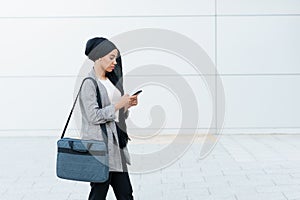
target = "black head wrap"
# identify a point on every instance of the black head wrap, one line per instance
(98, 47)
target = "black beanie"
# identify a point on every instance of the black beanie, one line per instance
(98, 47)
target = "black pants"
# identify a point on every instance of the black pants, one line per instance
(120, 183)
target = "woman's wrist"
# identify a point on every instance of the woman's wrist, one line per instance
(117, 106)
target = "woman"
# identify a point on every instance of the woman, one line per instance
(107, 71)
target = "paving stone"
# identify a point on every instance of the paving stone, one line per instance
(213, 197)
(292, 195)
(276, 188)
(12, 196)
(253, 196)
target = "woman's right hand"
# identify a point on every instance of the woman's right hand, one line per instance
(124, 102)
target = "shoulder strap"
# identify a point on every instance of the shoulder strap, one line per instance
(103, 127)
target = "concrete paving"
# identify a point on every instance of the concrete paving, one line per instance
(240, 167)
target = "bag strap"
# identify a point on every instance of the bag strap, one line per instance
(103, 127)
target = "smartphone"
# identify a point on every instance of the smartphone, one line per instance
(136, 93)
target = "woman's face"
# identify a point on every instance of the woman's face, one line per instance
(108, 61)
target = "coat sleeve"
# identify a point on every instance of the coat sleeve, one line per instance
(94, 113)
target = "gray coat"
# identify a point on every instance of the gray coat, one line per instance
(93, 116)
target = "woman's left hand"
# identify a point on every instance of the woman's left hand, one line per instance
(133, 101)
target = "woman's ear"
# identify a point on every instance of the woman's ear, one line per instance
(98, 60)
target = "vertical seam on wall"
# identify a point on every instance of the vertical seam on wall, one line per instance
(216, 67)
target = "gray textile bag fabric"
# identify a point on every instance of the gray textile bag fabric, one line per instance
(82, 160)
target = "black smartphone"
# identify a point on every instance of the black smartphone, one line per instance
(136, 93)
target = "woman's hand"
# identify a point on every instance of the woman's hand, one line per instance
(126, 101)
(133, 100)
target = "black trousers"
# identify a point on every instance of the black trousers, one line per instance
(120, 183)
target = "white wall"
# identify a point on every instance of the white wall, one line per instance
(257, 55)
(254, 45)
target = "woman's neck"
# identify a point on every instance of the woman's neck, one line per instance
(100, 73)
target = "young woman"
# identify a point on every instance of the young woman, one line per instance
(107, 71)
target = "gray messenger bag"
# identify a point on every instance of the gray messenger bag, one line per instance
(83, 160)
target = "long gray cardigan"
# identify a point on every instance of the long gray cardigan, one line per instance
(93, 116)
